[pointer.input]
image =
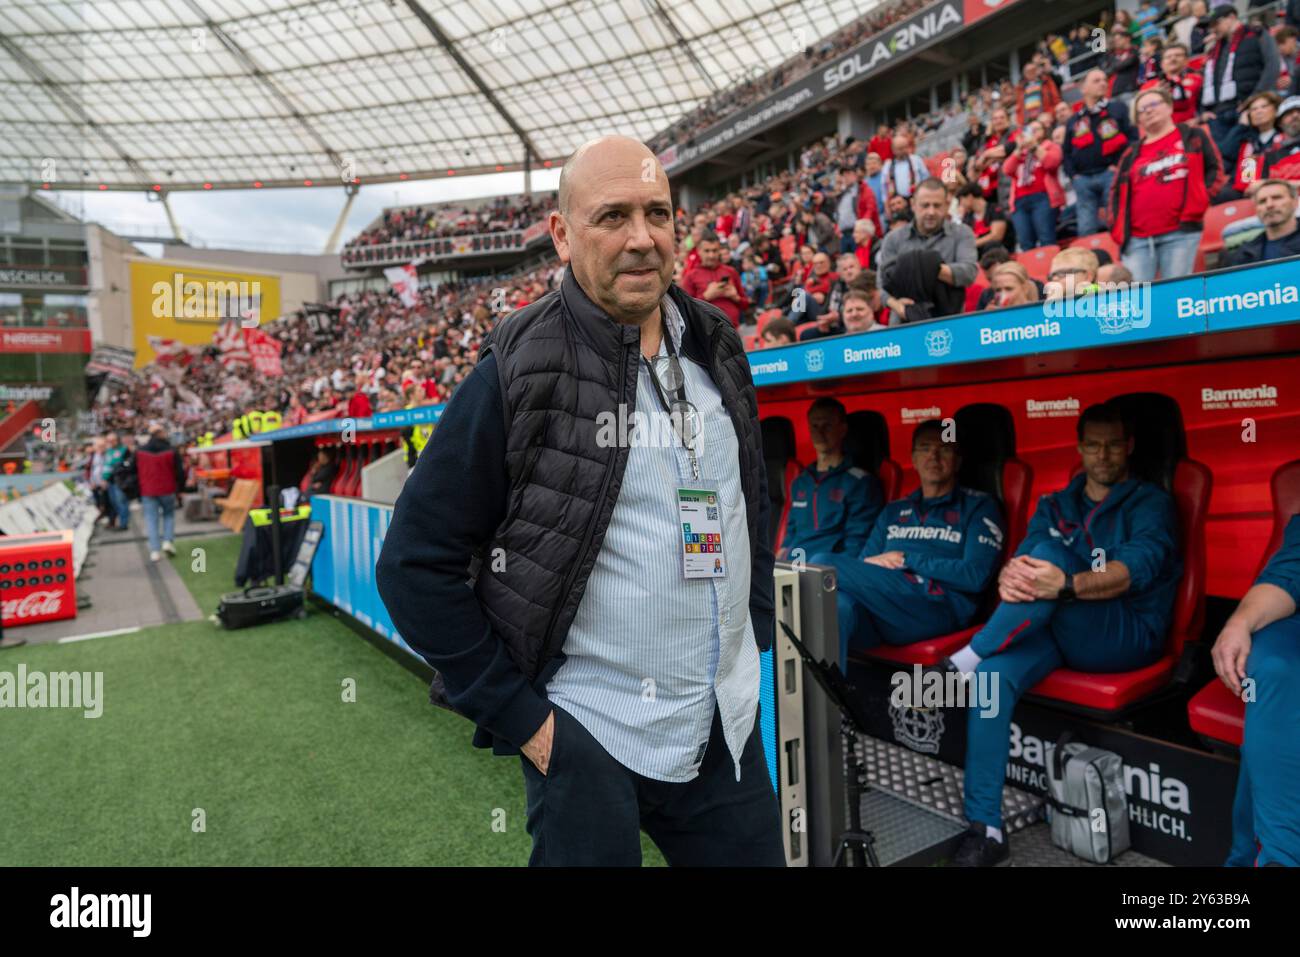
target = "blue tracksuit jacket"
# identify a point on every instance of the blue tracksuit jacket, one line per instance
(1136, 524)
(831, 511)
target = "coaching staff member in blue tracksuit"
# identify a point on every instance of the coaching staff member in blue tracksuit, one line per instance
(833, 503)
(1261, 642)
(1091, 587)
(928, 560)
(563, 573)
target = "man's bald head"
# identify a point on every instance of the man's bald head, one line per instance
(605, 149)
(614, 226)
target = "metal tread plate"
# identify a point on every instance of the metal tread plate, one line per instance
(935, 785)
(915, 804)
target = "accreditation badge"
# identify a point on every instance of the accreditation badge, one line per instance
(699, 514)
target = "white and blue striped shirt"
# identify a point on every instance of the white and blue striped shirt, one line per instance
(649, 652)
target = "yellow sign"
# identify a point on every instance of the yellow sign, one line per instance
(171, 300)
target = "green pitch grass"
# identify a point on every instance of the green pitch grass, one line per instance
(247, 733)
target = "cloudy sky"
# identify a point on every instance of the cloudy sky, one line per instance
(287, 220)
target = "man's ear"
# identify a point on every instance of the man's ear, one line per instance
(559, 229)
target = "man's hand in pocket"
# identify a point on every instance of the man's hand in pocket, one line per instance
(538, 748)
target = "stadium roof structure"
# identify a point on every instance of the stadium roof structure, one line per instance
(166, 95)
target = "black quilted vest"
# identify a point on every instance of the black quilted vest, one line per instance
(562, 361)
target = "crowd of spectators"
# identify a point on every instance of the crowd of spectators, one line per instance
(863, 233)
(442, 221)
(361, 354)
(1076, 148)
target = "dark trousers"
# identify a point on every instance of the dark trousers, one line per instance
(589, 810)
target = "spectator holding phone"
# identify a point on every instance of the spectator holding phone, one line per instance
(1036, 192)
(715, 282)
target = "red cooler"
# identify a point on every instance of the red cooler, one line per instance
(36, 579)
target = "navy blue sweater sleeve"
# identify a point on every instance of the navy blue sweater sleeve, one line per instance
(762, 588)
(452, 503)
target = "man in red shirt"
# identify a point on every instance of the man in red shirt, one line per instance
(716, 283)
(882, 143)
(358, 404)
(1182, 84)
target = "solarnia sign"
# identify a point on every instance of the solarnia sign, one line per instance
(936, 22)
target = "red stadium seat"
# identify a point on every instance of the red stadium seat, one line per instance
(1218, 218)
(343, 456)
(752, 342)
(798, 330)
(891, 479)
(1017, 481)
(782, 468)
(935, 163)
(1097, 241)
(1107, 695)
(1038, 262)
(365, 455)
(1214, 712)
(1217, 715)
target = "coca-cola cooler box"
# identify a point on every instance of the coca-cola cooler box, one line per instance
(36, 579)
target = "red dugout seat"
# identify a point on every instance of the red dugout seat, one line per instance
(1214, 712)
(891, 479)
(782, 468)
(340, 477)
(1107, 695)
(1217, 715)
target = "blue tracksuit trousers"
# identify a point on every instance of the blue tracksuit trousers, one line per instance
(887, 605)
(1022, 643)
(1266, 813)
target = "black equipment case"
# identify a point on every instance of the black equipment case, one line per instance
(257, 604)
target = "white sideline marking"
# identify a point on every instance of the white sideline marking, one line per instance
(98, 634)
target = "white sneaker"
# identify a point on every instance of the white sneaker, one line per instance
(169, 548)
(155, 556)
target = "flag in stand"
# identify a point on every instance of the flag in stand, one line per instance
(171, 351)
(229, 340)
(265, 352)
(405, 283)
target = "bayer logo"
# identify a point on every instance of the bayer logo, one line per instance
(938, 342)
(813, 359)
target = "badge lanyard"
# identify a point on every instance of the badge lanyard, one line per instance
(679, 395)
(699, 509)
